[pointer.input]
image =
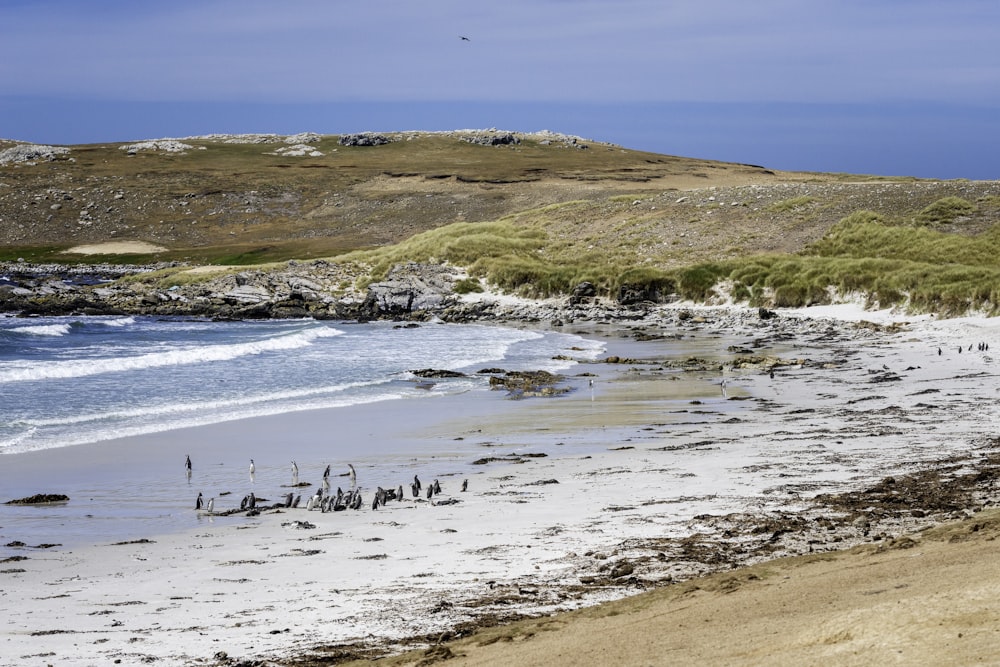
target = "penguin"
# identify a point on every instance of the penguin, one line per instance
(399, 492)
(416, 482)
(326, 473)
(353, 475)
(211, 505)
(297, 500)
(253, 468)
(465, 485)
(187, 463)
(437, 487)
(199, 503)
(288, 499)
(252, 502)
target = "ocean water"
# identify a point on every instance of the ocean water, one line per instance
(74, 390)
(73, 380)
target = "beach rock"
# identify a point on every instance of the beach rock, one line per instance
(582, 293)
(634, 294)
(39, 499)
(437, 373)
(408, 289)
(524, 384)
(247, 294)
(622, 569)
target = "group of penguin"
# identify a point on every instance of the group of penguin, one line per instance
(323, 499)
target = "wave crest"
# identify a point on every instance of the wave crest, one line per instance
(184, 356)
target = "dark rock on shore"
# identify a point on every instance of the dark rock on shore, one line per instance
(409, 289)
(437, 373)
(524, 384)
(40, 499)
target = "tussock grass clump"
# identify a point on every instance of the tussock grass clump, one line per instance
(894, 265)
(863, 234)
(792, 204)
(460, 243)
(798, 281)
(945, 210)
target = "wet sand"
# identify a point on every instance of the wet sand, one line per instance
(608, 492)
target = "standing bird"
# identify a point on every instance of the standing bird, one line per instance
(187, 464)
(353, 475)
(199, 502)
(326, 473)
(253, 468)
(295, 474)
(211, 505)
(465, 485)
(416, 482)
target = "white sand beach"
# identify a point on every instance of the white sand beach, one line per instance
(605, 492)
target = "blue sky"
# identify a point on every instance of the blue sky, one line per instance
(898, 87)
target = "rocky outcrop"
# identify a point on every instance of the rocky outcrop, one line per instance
(493, 139)
(31, 154)
(317, 289)
(410, 289)
(364, 139)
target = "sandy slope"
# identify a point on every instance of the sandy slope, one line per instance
(930, 601)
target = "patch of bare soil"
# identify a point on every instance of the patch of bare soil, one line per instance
(116, 248)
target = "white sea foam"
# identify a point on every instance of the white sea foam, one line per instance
(26, 441)
(217, 407)
(43, 330)
(22, 372)
(118, 322)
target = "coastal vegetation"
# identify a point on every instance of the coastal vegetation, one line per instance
(532, 214)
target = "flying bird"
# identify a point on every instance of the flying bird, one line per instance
(464, 38)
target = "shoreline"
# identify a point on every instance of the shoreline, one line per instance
(609, 496)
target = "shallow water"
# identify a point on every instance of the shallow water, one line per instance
(105, 410)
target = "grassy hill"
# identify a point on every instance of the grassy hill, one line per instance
(537, 215)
